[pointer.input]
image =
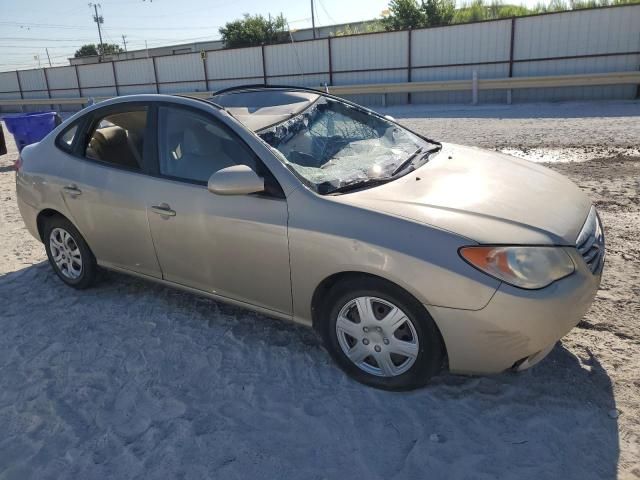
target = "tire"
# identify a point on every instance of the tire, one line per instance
(68, 253)
(410, 330)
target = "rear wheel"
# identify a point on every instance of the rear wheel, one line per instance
(68, 253)
(380, 335)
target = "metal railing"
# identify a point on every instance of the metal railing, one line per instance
(473, 85)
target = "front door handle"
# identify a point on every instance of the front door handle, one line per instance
(72, 190)
(163, 209)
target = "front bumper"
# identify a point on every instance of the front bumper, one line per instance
(516, 324)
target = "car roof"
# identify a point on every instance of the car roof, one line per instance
(259, 107)
(255, 106)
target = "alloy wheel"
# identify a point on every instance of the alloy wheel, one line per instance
(65, 253)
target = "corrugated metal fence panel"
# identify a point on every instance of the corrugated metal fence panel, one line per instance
(459, 73)
(96, 75)
(299, 80)
(99, 91)
(607, 30)
(235, 64)
(221, 84)
(62, 78)
(376, 76)
(9, 96)
(577, 66)
(183, 87)
(135, 89)
(371, 51)
(9, 84)
(135, 72)
(67, 93)
(33, 80)
(291, 59)
(180, 68)
(476, 42)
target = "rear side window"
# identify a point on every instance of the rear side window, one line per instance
(192, 146)
(118, 138)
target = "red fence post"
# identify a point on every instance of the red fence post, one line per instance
(46, 82)
(330, 62)
(75, 67)
(264, 66)
(115, 78)
(204, 69)
(155, 74)
(20, 90)
(409, 63)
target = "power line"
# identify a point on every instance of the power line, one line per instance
(71, 27)
(326, 12)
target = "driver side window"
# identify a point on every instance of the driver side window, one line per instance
(192, 146)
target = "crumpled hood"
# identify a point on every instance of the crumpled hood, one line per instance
(485, 196)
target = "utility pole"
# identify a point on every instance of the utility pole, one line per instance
(313, 21)
(98, 19)
(48, 57)
(124, 40)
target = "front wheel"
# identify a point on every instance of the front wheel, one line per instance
(380, 335)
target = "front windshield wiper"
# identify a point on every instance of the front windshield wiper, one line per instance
(355, 185)
(409, 160)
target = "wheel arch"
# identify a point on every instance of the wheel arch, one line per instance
(325, 286)
(42, 217)
(45, 214)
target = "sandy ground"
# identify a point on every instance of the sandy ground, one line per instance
(133, 380)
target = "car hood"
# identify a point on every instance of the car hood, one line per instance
(485, 196)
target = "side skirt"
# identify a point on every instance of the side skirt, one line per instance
(195, 291)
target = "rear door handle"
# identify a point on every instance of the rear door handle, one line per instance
(163, 209)
(72, 190)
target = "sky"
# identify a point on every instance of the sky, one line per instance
(28, 27)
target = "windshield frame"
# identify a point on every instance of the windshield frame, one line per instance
(362, 109)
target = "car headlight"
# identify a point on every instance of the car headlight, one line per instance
(524, 267)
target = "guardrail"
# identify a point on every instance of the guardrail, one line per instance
(473, 85)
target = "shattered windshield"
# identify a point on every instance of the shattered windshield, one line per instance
(332, 144)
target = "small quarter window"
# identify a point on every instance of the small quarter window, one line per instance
(65, 140)
(67, 137)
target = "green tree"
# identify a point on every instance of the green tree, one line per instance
(254, 30)
(370, 26)
(438, 12)
(88, 50)
(91, 50)
(404, 14)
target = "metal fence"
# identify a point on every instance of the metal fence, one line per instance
(587, 41)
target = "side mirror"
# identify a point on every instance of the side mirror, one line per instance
(236, 180)
(389, 117)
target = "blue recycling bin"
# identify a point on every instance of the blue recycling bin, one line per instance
(28, 128)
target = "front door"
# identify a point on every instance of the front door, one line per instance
(235, 246)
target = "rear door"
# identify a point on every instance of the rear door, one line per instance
(106, 197)
(235, 246)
